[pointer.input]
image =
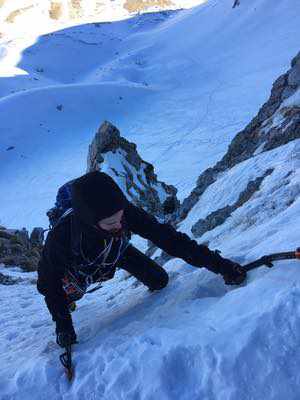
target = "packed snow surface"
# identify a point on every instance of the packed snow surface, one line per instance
(180, 85)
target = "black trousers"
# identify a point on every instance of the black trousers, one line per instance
(135, 262)
(143, 268)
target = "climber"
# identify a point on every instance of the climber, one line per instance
(93, 239)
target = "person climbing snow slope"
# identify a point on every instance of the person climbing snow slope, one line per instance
(92, 240)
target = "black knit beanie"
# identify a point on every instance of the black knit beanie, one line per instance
(95, 196)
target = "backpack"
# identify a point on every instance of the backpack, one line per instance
(63, 204)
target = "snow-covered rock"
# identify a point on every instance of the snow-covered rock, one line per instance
(113, 154)
(7, 280)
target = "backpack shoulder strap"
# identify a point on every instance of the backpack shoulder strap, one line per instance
(75, 231)
(75, 236)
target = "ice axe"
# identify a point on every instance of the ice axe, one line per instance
(269, 259)
(66, 360)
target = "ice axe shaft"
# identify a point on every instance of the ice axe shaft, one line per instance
(268, 259)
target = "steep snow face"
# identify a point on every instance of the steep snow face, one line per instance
(274, 201)
(183, 98)
(261, 164)
(196, 339)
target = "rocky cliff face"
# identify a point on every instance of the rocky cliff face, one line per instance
(113, 154)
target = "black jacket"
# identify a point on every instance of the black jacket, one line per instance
(57, 256)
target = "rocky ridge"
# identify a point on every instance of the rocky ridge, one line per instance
(113, 154)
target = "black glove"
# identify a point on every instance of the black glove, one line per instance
(232, 272)
(65, 333)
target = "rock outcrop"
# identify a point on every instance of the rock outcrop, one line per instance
(276, 124)
(111, 153)
(17, 248)
(134, 6)
(8, 280)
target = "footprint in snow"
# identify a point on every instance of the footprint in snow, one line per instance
(11, 336)
(50, 347)
(40, 324)
(111, 304)
(25, 305)
(84, 333)
(153, 341)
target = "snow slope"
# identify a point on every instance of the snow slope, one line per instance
(196, 339)
(188, 82)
